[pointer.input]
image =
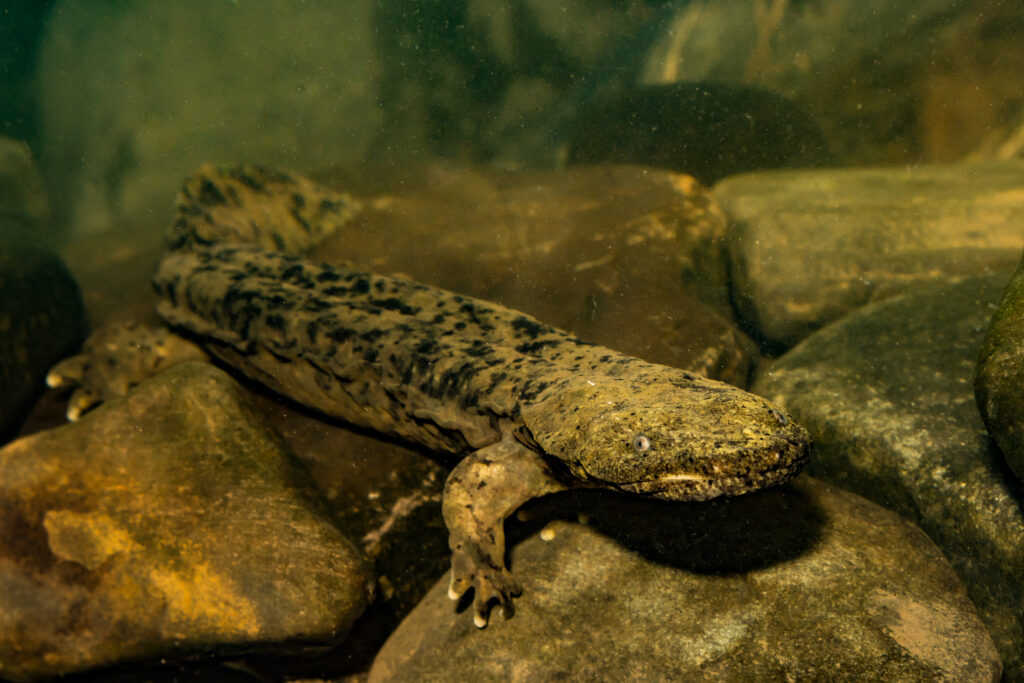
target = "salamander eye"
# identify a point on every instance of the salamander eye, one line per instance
(641, 444)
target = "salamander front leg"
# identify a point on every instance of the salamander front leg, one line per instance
(482, 490)
(114, 359)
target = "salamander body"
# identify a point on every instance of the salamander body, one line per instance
(529, 409)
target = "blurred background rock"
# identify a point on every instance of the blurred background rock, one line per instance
(122, 100)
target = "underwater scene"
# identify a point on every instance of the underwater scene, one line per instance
(524, 340)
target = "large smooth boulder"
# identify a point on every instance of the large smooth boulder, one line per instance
(801, 582)
(886, 394)
(166, 523)
(999, 378)
(808, 247)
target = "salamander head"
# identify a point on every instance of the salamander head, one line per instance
(668, 434)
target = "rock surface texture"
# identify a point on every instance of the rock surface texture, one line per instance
(596, 251)
(886, 394)
(165, 523)
(808, 247)
(42, 317)
(805, 581)
(41, 320)
(999, 378)
(889, 83)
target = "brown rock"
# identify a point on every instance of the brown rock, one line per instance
(165, 523)
(385, 496)
(626, 257)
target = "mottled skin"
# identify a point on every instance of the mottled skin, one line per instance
(531, 408)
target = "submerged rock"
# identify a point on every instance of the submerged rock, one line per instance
(166, 523)
(999, 380)
(386, 496)
(891, 83)
(804, 581)
(41, 321)
(41, 314)
(808, 247)
(886, 395)
(626, 257)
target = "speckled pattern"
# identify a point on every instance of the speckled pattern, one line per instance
(533, 409)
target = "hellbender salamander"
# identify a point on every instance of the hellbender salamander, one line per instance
(532, 409)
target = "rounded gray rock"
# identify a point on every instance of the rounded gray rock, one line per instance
(886, 394)
(1000, 375)
(805, 581)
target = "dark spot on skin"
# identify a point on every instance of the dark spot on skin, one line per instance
(241, 309)
(300, 219)
(427, 347)
(249, 181)
(210, 194)
(470, 311)
(187, 210)
(537, 346)
(361, 286)
(395, 304)
(278, 301)
(275, 321)
(528, 328)
(316, 305)
(477, 348)
(340, 335)
(328, 275)
(329, 205)
(238, 294)
(451, 382)
(460, 325)
(533, 389)
(372, 335)
(311, 330)
(297, 275)
(170, 291)
(278, 240)
(496, 379)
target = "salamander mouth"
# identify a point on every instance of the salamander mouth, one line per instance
(696, 487)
